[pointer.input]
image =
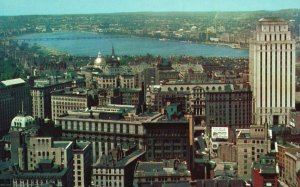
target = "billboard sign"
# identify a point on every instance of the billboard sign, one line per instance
(219, 132)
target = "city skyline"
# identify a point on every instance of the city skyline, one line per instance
(47, 7)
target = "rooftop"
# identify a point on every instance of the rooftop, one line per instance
(12, 82)
(266, 165)
(62, 144)
(110, 161)
(81, 145)
(49, 175)
(171, 167)
(71, 91)
(271, 19)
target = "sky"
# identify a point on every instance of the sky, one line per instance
(42, 7)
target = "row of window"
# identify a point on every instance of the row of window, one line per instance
(108, 171)
(102, 127)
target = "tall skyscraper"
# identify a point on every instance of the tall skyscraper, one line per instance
(14, 98)
(272, 71)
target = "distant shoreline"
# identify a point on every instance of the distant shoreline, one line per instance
(83, 43)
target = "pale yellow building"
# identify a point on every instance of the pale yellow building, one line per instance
(251, 144)
(67, 99)
(292, 166)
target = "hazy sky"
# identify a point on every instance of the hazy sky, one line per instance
(28, 7)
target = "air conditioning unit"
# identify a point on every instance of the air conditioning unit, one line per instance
(215, 146)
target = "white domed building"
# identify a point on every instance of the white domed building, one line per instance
(21, 122)
(99, 62)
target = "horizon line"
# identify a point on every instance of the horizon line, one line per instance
(136, 12)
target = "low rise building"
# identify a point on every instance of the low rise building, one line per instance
(265, 171)
(117, 168)
(41, 148)
(280, 156)
(166, 171)
(291, 167)
(46, 174)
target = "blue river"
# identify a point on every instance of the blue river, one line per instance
(89, 43)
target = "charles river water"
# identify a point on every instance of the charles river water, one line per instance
(89, 43)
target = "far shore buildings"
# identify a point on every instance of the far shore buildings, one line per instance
(14, 98)
(272, 71)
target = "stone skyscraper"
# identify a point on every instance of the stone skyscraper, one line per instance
(272, 71)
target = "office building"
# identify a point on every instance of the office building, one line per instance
(41, 95)
(280, 156)
(251, 145)
(168, 138)
(165, 72)
(82, 159)
(291, 167)
(272, 71)
(46, 174)
(105, 126)
(68, 99)
(230, 108)
(14, 97)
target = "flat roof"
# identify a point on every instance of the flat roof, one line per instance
(271, 19)
(12, 82)
(62, 144)
(124, 161)
(34, 174)
(162, 168)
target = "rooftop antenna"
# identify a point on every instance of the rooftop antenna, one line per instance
(112, 51)
(22, 109)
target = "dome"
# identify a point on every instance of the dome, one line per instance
(99, 61)
(21, 121)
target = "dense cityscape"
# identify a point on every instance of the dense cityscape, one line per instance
(151, 120)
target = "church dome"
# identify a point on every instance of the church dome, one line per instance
(21, 121)
(99, 61)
